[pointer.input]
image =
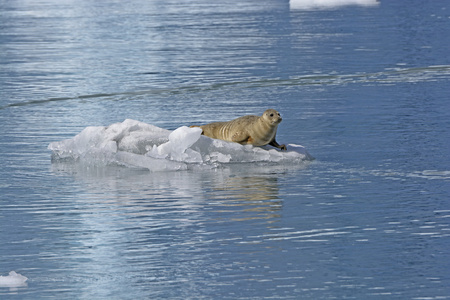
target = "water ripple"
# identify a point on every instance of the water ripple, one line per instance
(388, 76)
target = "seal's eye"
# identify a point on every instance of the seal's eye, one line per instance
(271, 115)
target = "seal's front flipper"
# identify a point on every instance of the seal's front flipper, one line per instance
(275, 144)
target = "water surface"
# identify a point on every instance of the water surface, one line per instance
(363, 88)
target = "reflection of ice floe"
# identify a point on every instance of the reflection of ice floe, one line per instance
(13, 280)
(313, 4)
(136, 144)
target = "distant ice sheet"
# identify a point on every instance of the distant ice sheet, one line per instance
(314, 4)
(137, 144)
(13, 280)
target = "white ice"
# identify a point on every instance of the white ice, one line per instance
(137, 144)
(323, 4)
(13, 280)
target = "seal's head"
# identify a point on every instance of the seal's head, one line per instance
(272, 117)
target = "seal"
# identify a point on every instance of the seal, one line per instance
(253, 130)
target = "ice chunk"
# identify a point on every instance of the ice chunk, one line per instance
(177, 146)
(313, 4)
(140, 145)
(13, 280)
(130, 136)
(184, 137)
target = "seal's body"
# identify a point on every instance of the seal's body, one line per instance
(254, 130)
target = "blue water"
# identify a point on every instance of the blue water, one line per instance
(364, 88)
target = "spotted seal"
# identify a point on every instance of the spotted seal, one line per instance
(253, 130)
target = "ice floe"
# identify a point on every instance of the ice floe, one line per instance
(137, 144)
(13, 280)
(324, 4)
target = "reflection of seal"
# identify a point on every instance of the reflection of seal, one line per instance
(254, 130)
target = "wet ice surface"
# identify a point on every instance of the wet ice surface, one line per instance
(137, 144)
